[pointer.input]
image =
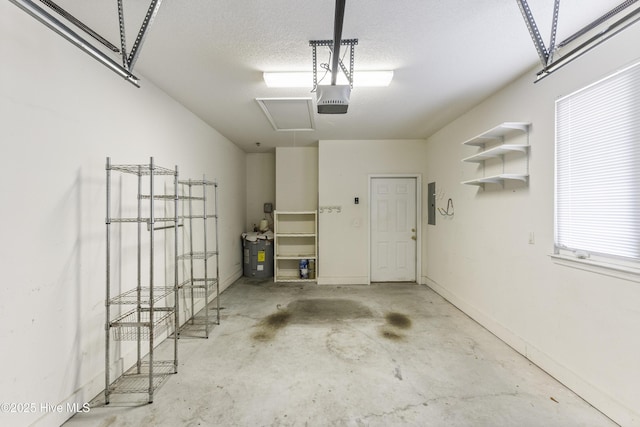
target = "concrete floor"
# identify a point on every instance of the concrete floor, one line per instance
(380, 355)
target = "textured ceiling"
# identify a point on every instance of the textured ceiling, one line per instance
(447, 55)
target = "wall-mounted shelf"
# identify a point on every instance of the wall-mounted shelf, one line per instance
(497, 179)
(496, 154)
(498, 133)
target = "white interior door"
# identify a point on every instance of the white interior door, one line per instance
(393, 229)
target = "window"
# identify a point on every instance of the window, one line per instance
(597, 205)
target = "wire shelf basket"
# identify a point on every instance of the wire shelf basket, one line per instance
(131, 296)
(127, 327)
(134, 381)
(159, 196)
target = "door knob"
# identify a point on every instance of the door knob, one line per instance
(414, 237)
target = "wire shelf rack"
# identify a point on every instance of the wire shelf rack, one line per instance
(200, 287)
(144, 297)
(143, 169)
(201, 216)
(158, 196)
(127, 327)
(156, 219)
(137, 381)
(196, 182)
(152, 312)
(195, 196)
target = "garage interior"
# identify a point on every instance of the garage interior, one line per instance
(479, 323)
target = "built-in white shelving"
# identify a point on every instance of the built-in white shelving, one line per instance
(494, 147)
(295, 239)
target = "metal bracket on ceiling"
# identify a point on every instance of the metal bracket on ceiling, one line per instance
(75, 21)
(74, 38)
(543, 53)
(126, 69)
(329, 43)
(549, 63)
(129, 61)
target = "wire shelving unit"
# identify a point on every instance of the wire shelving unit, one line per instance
(141, 310)
(201, 281)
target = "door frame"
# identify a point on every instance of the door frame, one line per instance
(418, 179)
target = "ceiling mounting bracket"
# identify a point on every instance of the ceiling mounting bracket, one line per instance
(543, 53)
(74, 38)
(551, 64)
(75, 21)
(126, 69)
(329, 44)
(129, 61)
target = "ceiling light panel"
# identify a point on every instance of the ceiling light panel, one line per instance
(288, 114)
(305, 79)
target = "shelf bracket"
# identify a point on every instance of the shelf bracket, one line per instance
(329, 43)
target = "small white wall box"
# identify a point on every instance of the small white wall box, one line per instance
(333, 99)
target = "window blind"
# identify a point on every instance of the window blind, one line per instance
(597, 203)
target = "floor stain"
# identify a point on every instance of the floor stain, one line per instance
(323, 310)
(391, 334)
(263, 335)
(277, 320)
(310, 311)
(395, 323)
(268, 326)
(398, 373)
(398, 320)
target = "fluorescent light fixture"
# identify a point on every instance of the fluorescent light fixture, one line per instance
(305, 79)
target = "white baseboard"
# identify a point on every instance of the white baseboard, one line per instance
(590, 393)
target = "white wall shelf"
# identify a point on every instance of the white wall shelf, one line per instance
(495, 151)
(497, 179)
(498, 133)
(295, 239)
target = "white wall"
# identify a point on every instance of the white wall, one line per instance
(580, 326)
(344, 169)
(296, 178)
(261, 186)
(61, 114)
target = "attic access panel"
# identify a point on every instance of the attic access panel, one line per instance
(288, 114)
